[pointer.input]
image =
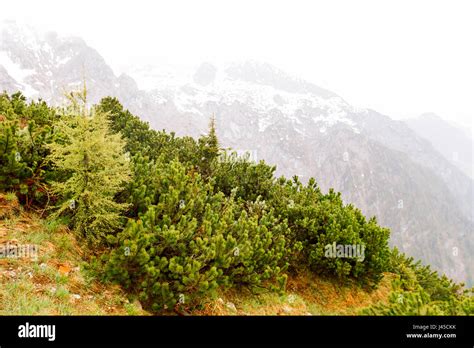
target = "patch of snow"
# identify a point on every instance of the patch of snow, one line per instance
(19, 74)
(263, 123)
(159, 98)
(62, 61)
(299, 131)
(29, 92)
(14, 69)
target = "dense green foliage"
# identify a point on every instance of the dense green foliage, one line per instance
(173, 218)
(249, 180)
(188, 241)
(422, 291)
(318, 220)
(314, 220)
(95, 168)
(25, 129)
(140, 139)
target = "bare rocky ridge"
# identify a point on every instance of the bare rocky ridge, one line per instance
(380, 165)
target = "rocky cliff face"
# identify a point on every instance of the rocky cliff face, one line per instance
(380, 165)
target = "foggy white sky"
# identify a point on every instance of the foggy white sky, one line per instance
(401, 58)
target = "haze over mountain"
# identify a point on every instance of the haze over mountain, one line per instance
(380, 165)
(453, 142)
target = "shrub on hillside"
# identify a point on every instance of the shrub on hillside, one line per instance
(188, 241)
(249, 180)
(320, 221)
(25, 129)
(413, 274)
(422, 291)
(419, 302)
(142, 140)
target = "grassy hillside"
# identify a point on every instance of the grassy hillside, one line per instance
(128, 220)
(56, 283)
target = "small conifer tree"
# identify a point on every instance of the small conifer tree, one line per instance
(96, 168)
(209, 149)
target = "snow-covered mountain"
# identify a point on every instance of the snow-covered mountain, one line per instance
(380, 165)
(266, 89)
(46, 65)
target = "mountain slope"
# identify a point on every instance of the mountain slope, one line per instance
(47, 66)
(56, 284)
(454, 143)
(377, 163)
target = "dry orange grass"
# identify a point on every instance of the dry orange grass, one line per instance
(54, 283)
(306, 294)
(9, 206)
